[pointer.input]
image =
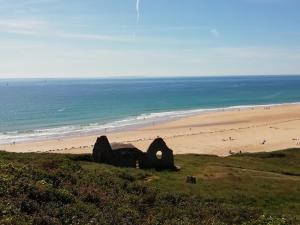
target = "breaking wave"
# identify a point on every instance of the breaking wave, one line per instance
(119, 125)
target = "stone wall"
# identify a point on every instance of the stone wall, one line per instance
(132, 157)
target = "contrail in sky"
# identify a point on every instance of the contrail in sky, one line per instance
(137, 11)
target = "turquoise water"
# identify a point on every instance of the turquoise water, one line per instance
(39, 108)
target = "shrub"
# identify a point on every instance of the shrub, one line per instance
(268, 220)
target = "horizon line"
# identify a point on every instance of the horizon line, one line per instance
(142, 76)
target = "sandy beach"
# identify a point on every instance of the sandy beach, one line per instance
(219, 133)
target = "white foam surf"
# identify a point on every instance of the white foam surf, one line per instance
(124, 124)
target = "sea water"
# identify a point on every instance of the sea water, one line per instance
(52, 108)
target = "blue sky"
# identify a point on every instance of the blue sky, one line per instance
(93, 38)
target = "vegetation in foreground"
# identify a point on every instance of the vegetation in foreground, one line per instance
(248, 189)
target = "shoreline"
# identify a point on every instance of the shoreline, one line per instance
(141, 121)
(246, 129)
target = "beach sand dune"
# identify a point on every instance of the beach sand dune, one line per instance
(219, 133)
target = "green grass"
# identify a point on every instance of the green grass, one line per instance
(271, 184)
(261, 188)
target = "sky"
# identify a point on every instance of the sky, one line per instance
(107, 38)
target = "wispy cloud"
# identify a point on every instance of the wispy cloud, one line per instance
(20, 24)
(40, 28)
(215, 32)
(137, 6)
(99, 37)
(258, 53)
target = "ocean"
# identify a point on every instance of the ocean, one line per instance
(52, 108)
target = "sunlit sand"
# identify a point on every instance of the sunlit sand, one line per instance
(220, 133)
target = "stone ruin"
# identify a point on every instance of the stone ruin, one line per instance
(191, 180)
(129, 156)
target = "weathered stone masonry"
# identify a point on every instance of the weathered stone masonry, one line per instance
(130, 156)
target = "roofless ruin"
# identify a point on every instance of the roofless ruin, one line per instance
(158, 156)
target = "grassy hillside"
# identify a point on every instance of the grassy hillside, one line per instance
(70, 189)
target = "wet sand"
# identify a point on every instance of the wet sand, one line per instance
(219, 133)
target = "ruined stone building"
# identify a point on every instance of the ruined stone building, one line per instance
(158, 155)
